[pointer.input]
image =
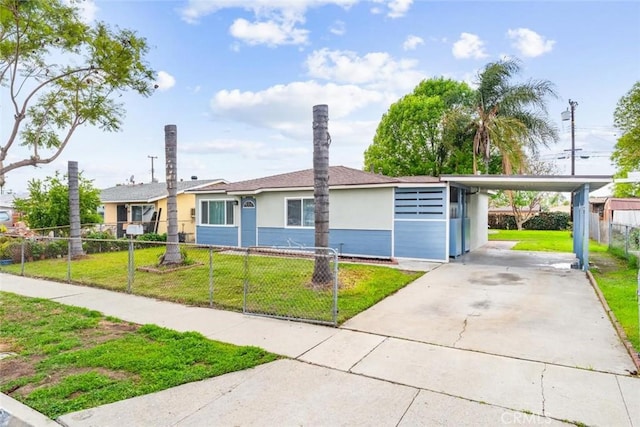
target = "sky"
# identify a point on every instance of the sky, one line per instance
(239, 78)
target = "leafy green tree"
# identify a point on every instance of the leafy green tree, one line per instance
(523, 204)
(424, 133)
(510, 117)
(48, 202)
(48, 100)
(626, 154)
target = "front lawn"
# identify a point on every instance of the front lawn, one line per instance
(276, 285)
(69, 358)
(541, 240)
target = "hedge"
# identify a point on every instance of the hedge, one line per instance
(542, 221)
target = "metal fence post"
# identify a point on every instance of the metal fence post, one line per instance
(69, 260)
(626, 240)
(335, 288)
(610, 231)
(130, 266)
(22, 257)
(246, 281)
(210, 276)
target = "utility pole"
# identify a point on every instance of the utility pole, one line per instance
(153, 179)
(566, 115)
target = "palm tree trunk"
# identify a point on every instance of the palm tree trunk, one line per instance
(322, 269)
(172, 254)
(74, 210)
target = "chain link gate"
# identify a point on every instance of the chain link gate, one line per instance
(302, 285)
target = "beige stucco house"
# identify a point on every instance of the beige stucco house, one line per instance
(146, 204)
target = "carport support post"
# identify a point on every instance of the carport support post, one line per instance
(580, 198)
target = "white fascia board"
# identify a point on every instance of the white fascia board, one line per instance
(125, 202)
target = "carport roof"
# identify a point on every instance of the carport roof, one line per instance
(555, 183)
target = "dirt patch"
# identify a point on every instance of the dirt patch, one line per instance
(58, 376)
(16, 367)
(604, 263)
(347, 279)
(160, 269)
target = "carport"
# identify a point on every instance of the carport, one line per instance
(578, 185)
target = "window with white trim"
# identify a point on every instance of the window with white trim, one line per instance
(300, 212)
(217, 212)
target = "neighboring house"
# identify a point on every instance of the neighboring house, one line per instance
(146, 204)
(371, 215)
(612, 210)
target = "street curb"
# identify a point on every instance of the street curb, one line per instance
(635, 356)
(19, 414)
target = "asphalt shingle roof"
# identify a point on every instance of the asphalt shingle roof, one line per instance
(147, 192)
(338, 176)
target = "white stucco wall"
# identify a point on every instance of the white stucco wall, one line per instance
(356, 209)
(479, 216)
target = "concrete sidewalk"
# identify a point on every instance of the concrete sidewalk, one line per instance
(345, 377)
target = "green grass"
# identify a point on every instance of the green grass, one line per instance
(616, 277)
(618, 281)
(69, 358)
(541, 240)
(277, 285)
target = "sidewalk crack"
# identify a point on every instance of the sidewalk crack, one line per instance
(542, 388)
(408, 407)
(624, 402)
(368, 353)
(464, 328)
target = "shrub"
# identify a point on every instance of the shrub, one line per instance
(56, 248)
(153, 237)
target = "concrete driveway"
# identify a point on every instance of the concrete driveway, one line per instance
(525, 305)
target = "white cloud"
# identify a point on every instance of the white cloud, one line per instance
(375, 70)
(529, 43)
(279, 106)
(412, 42)
(87, 9)
(165, 81)
(398, 8)
(338, 28)
(276, 21)
(469, 46)
(272, 33)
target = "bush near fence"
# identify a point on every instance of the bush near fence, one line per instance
(542, 221)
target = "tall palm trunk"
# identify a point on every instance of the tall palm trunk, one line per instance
(322, 269)
(172, 255)
(74, 210)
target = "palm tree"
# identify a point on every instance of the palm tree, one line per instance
(172, 254)
(510, 118)
(322, 274)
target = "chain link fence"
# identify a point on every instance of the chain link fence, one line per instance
(625, 239)
(296, 284)
(292, 283)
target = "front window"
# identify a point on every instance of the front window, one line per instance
(217, 212)
(300, 212)
(142, 213)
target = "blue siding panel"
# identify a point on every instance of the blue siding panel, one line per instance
(421, 239)
(276, 236)
(223, 236)
(361, 242)
(374, 243)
